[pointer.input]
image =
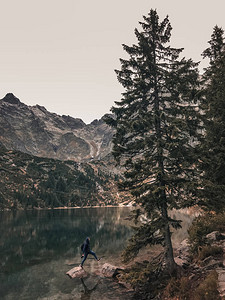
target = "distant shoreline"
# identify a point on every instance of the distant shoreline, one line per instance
(67, 208)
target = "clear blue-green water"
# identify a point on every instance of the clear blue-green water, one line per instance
(37, 248)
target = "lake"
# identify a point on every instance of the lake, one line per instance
(38, 247)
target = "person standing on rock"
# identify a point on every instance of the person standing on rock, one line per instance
(87, 250)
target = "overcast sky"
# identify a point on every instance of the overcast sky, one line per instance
(62, 53)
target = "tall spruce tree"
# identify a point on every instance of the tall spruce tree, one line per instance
(213, 107)
(155, 124)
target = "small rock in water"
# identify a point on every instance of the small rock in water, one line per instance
(77, 272)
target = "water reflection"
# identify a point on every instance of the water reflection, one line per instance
(37, 248)
(28, 238)
(46, 242)
(86, 294)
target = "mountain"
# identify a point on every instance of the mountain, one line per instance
(36, 131)
(28, 181)
(48, 161)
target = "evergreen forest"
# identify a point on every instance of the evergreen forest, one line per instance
(170, 142)
(30, 182)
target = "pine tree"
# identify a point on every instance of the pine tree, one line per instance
(155, 124)
(213, 107)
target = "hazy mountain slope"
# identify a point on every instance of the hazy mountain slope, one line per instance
(34, 130)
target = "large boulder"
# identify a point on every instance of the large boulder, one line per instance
(215, 236)
(183, 257)
(110, 270)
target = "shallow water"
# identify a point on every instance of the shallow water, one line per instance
(37, 248)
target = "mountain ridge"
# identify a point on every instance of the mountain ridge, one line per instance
(35, 130)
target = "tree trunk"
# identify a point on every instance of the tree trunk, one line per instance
(169, 257)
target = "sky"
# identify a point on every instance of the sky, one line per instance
(62, 54)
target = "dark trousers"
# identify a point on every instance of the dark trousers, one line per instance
(86, 254)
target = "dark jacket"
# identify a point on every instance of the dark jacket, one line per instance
(86, 247)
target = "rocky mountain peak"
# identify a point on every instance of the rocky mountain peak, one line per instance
(10, 98)
(42, 108)
(73, 123)
(97, 122)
